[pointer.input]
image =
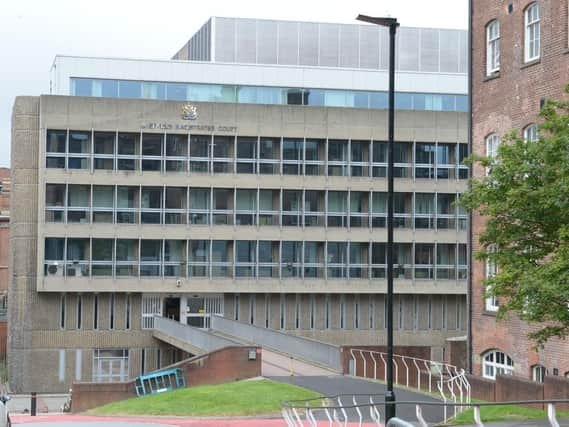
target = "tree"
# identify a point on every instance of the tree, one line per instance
(525, 199)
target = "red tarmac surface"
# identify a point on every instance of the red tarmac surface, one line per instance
(177, 422)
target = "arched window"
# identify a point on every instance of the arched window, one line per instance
(538, 373)
(532, 38)
(492, 47)
(495, 363)
(530, 133)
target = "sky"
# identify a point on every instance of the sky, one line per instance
(32, 32)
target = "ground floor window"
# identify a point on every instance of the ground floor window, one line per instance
(110, 365)
(497, 363)
(538, 373)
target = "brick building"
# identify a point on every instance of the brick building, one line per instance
(520, 56)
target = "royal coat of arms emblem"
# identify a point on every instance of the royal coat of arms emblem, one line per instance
(189, 112)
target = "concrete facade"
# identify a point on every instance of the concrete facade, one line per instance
(58, 322)
(509, 99)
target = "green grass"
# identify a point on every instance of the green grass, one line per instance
(237, 398)
(503, 413)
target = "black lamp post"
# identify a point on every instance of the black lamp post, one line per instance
(392, 24)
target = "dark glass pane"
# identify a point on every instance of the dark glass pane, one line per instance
(104, 143)
(55, 142)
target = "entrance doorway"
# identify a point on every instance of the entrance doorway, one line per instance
(172, 308)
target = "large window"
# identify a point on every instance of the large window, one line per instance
(532, 38)
(110, 365)
(495, 363)
(264, 95)
(492, 47)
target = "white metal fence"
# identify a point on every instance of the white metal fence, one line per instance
(447, 380)
(365, 410)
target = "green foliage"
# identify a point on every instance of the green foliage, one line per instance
(237, 398)
(525, 198)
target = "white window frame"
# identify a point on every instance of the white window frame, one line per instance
(492, 144)
(538, 373)
(532, 33)
(492, 47)
(496, 362)
(492, 303)
(530, 133)
(151, 306)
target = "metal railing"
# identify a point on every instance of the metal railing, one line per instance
(450, 382)
(332, 410)
(310, 350)
(198, 338)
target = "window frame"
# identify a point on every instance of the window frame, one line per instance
(528, 26)
(492, 47)
(491, 303)
(492, 142)
(506, 368)
(538, 373)
(530, 133)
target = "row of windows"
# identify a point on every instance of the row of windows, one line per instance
(76, 203)
(410, 313)
(496, 362)
(265, 95)
(532, 39)
(125, 151)
(530, 134)
(84, 257)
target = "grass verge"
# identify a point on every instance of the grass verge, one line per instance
(504, 413)
(230, 399)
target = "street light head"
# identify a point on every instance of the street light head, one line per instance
(383, 21)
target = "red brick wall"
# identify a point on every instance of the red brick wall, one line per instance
(220, 366)
(512, 101)
(510, 388)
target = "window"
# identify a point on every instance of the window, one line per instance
(492, 47)
(110, 365)
(492, 303)
(62, 309)
(492, 143)
(530, 133)
(96, 312)
(497, 363)
(532, 33)
(538, 373)
(79, 311)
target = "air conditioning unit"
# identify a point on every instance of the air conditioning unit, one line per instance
(55, 269)
(75, 270)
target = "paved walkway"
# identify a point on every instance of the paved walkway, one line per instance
(336, 385)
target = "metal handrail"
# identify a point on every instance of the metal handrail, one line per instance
(291, 407)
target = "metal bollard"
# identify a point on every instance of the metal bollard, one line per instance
(33, 404)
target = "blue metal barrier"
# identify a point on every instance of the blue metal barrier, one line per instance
(160, 382)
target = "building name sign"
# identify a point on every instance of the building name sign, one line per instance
(188, 127)
(189, 112)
